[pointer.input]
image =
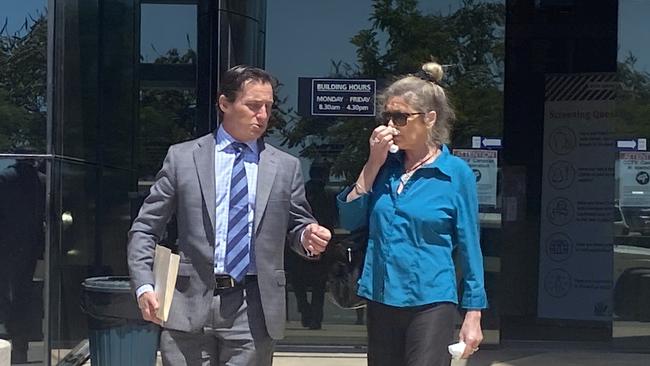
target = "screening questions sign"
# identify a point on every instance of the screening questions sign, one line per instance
(576, 228)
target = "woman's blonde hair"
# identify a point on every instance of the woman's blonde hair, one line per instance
(423, 92)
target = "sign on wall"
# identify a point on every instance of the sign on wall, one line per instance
(576, 236)
(484, 166)
(336, 97)
(634, 179)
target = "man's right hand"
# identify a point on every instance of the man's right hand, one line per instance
(148, 304)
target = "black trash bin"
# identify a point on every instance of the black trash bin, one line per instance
(116, 331)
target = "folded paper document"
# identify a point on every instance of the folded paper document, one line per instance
(165, 269)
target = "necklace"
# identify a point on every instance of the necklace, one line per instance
(409, 172)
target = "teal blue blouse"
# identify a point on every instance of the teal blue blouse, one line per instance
(412, 234)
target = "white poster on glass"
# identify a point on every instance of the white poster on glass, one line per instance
(484, 166)
(576, 236)
(634, 179)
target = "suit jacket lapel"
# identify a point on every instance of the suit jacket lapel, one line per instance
(265, 176)
(204, 160)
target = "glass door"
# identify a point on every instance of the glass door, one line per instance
(631, 222)
(363, 42)
(23, 177)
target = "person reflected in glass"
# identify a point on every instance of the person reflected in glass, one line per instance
(22, 241)
(420, 205)
(311, 275)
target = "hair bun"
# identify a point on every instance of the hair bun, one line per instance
(432, 71)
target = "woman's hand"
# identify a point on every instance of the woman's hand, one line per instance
(471, 333)
(380, 141)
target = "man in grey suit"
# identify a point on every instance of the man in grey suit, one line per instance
(237, 200)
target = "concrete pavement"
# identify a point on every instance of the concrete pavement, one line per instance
(496, 357)
(528, 354)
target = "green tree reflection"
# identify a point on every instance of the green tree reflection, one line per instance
(469, 40)
(632, 100)
(23, 85)
(167, 116)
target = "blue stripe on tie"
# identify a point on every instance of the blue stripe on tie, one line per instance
(239, 236)
(238, 198)
(238, 240)
(237, 220)
(236, 227)
(240, 256)
(238, 172)
(238, 187)
(239, 252)
(240, 270)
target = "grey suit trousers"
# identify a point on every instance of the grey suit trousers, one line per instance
(234, 335)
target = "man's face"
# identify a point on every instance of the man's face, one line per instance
(247, 117)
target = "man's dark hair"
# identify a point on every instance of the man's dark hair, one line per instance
(232, 82)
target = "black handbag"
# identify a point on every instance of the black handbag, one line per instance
(345, 270)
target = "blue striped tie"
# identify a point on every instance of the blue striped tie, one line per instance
(237, 251)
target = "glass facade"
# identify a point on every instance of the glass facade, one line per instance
(96, 91)
(630, 327)
(123, 80)
(92, 93)
(24, 168)
(22, 241)
(362, 43)
(23, 78)
(569, 266)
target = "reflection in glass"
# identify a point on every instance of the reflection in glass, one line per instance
(92, 218)
(74, 251)
(22, 244)
(243, 27)
(167, 116)
(467, 37)
(95, 85)
(474, 68)
(309, 276)
(631, 220)
(249, 8)
(23, 113)
(114, 220)
(168, 33)
(310, 306)
(23, 71)
(240, 41)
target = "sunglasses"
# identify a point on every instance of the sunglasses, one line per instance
(398, 118)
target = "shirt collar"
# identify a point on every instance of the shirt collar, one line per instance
(441, 163)
(224, 139)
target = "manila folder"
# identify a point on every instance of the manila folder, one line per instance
(165, 269)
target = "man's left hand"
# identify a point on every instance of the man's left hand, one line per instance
(315, 238)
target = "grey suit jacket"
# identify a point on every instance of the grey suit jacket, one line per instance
(185, 186)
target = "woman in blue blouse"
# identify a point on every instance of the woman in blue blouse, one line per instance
(420, 204)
